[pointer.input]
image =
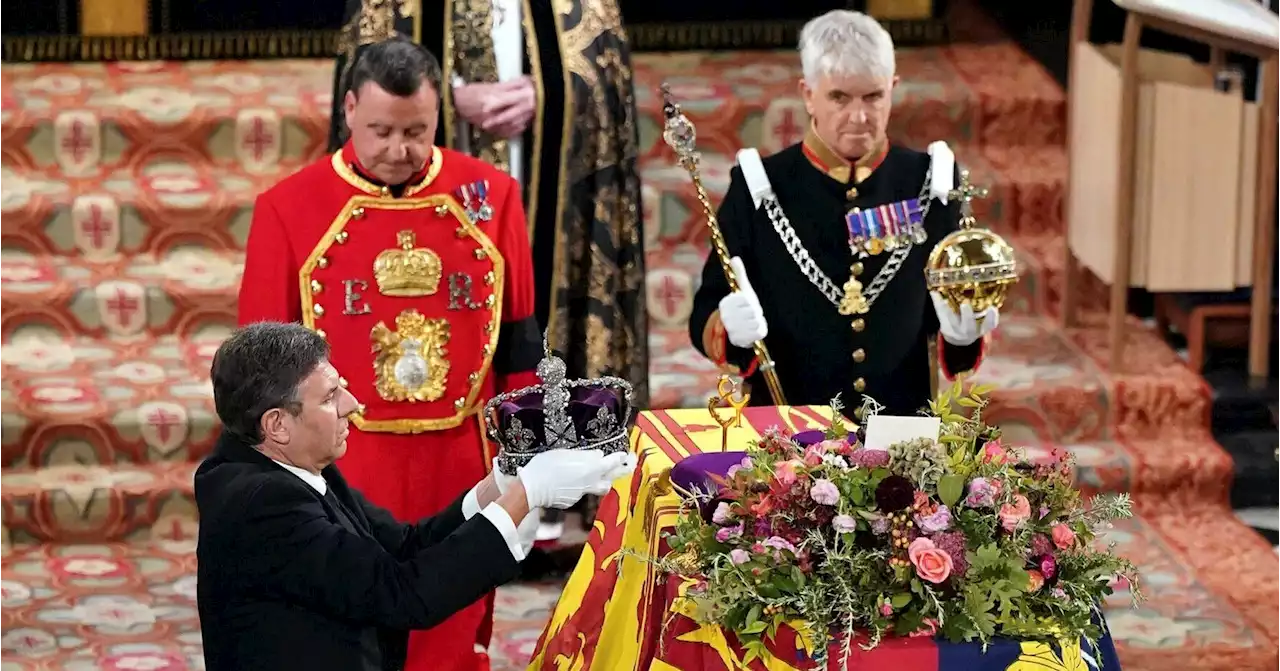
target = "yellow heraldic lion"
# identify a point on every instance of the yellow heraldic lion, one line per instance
(409, 363)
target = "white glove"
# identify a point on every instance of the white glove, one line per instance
(502, 480)
(558, 478)
(740, 311)
(964, 328)
(527, 532)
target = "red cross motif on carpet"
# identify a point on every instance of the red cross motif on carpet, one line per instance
(785, 121)
(122, 307)
(258, 138)
(164, 426)
(671, 296)
(77, 141)
(97, 226)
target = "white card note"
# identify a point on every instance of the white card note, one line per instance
(885, 430)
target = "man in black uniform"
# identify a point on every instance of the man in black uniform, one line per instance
(836, 232)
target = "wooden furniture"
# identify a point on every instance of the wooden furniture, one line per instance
(1172, 184)
(1205, 324)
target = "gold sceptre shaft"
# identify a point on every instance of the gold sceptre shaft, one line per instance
(679, 133)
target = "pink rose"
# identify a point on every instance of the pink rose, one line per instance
(886, 609)
(994, 453)
(1013, 514)
(813, 455)
(932, 563)
(1063, 536)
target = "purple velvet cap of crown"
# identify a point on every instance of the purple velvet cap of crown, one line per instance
(693, 474)
(807, 438)
(584, 404)
(695, 471)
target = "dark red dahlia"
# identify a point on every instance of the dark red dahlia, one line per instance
(894, 493)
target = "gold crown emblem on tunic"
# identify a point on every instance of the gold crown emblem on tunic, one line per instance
(972, 265)
(409, 270)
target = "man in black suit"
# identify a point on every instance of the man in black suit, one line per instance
(299, 571)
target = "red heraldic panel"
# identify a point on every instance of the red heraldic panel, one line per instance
(425, 293)
(409, 292)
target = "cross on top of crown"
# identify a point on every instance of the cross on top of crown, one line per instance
(966, 193)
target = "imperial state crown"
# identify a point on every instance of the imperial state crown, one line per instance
(972, 265)
(593, 414)
(408, 271)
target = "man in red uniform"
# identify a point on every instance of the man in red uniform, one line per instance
(413, 261)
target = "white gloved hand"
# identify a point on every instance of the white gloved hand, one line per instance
(963, 328)
(558, 478)
(740, 311)
(527, 531)
(502, 480)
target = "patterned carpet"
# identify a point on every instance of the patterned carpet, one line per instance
(126, 194)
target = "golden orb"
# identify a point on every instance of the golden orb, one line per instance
(972, 265)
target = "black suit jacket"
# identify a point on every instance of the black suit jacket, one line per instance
(290, 579)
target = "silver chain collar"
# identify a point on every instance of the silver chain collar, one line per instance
(819, 279)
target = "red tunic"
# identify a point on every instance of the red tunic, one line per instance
(428, 309)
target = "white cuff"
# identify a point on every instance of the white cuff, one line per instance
(470, 504)
(943, 165)
(497, 515)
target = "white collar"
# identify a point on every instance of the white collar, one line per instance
(316, 482)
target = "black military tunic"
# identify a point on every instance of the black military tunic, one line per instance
(818, 351)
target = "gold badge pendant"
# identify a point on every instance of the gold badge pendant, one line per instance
(854, 302)
(409, 363)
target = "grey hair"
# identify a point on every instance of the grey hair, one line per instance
(846, 43)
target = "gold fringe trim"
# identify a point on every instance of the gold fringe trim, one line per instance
(182, 46)
(763, 34)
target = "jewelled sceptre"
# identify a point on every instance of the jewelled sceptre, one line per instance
(678, 132)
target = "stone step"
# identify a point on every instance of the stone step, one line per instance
(76, 503)
(77, 400)
(186, 291)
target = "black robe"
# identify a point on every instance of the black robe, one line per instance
(581, 180)
(815, 348)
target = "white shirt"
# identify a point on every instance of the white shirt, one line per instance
(496, 514)
(508, 51)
